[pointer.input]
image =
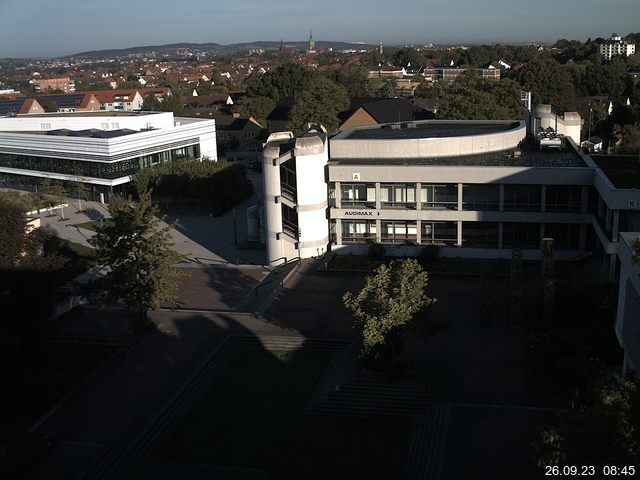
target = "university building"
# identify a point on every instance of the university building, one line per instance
(105, 150)
(477, 189)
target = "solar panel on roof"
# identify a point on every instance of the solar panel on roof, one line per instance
(65, 101)
(8, 106)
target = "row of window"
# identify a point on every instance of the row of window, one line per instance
(108, 170)
(483, 197)
(474, 234)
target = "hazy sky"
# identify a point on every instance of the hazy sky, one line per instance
(60, 27)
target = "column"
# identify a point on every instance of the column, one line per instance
(612, 267)
(501, 202)
(418, 197)
(338, 231)
(338, 194)
(616, 225)
(543, 198)
(500, 231)
(378, 197)
(459, 241)
(418, 230)
(584, 199)
(460, 203)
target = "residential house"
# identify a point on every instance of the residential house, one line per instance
(278, 120)
(43, 84)
(375, 111)
(119, 100)
(74, 102)
(242, 131)
(19, 106)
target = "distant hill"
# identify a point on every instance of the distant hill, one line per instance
(168, 50)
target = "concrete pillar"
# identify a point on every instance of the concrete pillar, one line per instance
(501, 201)
(378, 223)
(460, 202)
(584, 199)
(615, 225)
(459, 240)
(418, 197)
(338, 232)
(418, 230)
(272, 203)
(338, 195)
(378, 196)
(582, 238)
(543, 198)
(612, 267)
(500, 235)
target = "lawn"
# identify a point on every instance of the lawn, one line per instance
(253, 418)
(81, 259)
(93, 225)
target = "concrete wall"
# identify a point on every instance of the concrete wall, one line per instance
(344, 147)
(83, 121)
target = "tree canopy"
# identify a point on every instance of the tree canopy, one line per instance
(602, 429)
(470, 97)
(319, 102)
(388, 306)
(136, 250)
(549, 83)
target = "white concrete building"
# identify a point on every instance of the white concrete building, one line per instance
(103, 149)
(616, 46)
(477, 189)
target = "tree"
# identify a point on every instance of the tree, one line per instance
(549, 83)
(320, 102)
(355, 79)
(392, 302)
(136, 250)
(406, 56)
(54, 191)
(257, 107)
(601, 430)
(470, 97)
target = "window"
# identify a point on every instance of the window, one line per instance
(521, 235)
(361, 195)
(288, 179)
(523, 197)
(398, 231)
(45, 126)
(480, 234)
(439, 196)
(565, 235)
(398, 195)
(480, 197)
(358, 231)
(289, 221)
(563, 198)
(439, 232)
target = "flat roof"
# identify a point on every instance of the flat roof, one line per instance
(622, 170)
(427, 129)
(101, 113)
(528, 157)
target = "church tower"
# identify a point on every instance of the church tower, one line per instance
(312, 43)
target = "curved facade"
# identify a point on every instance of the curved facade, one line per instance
(295, 195)
(428, 139)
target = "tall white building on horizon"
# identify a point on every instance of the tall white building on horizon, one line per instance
(615, 46)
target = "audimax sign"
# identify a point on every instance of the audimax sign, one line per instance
(361, 213)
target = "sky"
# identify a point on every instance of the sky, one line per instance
(47, 28)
